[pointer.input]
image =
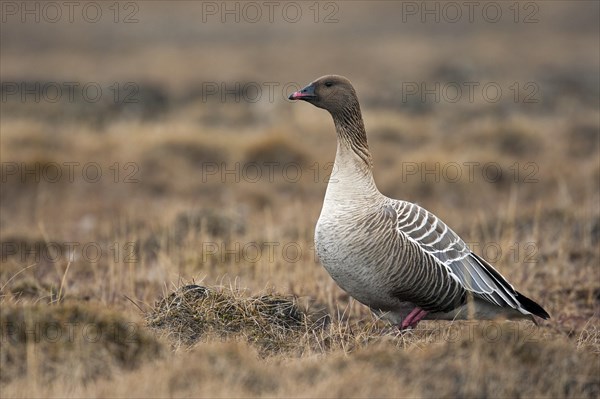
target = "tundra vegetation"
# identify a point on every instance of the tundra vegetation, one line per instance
(157, 240)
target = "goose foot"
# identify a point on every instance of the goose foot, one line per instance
(413, 318)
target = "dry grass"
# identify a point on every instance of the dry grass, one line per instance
(186, 208)
(74, 341)
(273, 323)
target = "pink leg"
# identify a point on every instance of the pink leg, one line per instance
(413, 318)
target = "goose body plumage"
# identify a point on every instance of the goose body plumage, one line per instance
(393, 256)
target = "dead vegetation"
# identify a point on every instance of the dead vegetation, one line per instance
(74, 341)
(230, 344)
(273, 323)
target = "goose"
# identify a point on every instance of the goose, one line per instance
(394, 256)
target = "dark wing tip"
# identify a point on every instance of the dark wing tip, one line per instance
(532, 307)
(527, 304)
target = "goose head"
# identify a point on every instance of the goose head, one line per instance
(333, 93)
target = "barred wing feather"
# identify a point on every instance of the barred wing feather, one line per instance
(437, 239)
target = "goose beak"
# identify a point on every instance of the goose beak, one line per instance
(305, 94)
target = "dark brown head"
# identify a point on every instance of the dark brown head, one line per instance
(333, 93)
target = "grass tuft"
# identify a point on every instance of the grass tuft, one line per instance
(271, 322)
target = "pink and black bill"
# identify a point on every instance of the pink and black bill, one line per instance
(305, 94)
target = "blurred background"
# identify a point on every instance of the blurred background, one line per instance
(125, 122)
(154, 123)
(148, 143)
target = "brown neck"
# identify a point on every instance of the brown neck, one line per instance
(351, 131)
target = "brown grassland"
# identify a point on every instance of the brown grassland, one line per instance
(187, 268)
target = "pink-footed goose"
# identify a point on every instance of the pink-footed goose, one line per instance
(394, 256)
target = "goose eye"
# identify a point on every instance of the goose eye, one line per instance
(328, 84)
